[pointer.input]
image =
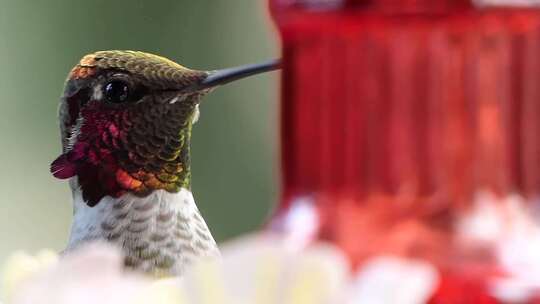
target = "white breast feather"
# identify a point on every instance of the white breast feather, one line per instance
(162, 232)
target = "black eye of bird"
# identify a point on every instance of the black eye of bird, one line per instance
(116, 91)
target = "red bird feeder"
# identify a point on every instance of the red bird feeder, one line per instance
(407, 126)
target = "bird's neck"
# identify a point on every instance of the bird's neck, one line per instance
(160, 233)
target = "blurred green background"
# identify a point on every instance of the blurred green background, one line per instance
(234, 142)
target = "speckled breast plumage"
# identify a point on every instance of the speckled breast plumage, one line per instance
(159, 234)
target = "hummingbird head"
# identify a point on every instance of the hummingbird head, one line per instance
(126, 119)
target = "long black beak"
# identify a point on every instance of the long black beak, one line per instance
(221, 77)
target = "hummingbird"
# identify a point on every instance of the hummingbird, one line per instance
(125, 122)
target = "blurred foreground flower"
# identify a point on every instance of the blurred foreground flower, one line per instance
(21, 266)
(263, 269)
(92, 274)
(509, 226)
(254, 270)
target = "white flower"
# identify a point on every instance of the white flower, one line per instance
(163, 291)
(388, 280)
(506, 224)
(21, 266)
(256, 269)
(264, 269)
(92, 274)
